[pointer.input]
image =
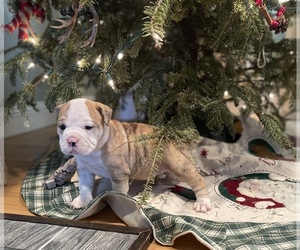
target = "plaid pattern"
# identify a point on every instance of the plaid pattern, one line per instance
(218, 235)
(166, 227)
(54, 202)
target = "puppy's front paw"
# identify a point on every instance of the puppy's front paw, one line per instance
(79, 202)
(202, 205)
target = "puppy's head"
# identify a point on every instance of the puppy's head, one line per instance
(82, 126)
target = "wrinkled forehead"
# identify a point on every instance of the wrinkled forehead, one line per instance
(79, 111)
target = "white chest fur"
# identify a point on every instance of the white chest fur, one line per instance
(92, 164)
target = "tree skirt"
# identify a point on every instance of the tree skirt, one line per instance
(254, 200)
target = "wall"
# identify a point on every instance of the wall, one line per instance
(10, 41)
(37, 119)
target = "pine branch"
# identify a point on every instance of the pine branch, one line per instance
(87, 2)
(61, 92)
(218, 117)
(156, 19)
(161, 136)
(156, 157)
(9, 106)
(250, 96)
(21, 101)
(17, 65)
(274, 127)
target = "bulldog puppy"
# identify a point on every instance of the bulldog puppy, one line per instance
(108, 148)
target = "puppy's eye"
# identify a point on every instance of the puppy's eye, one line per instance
(88, 127)
(62, 127)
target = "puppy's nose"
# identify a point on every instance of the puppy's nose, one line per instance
(72, 141)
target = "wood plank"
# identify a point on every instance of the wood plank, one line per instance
(73, 223)
(46, 233)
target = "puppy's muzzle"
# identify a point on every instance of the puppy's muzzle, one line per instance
(72, 141)
(76, 141)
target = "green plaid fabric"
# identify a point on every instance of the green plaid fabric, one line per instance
(55, 202)
(166, 227)
(219, 235)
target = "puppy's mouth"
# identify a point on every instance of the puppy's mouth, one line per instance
(73, 152)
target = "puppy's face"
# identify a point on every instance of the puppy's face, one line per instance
(82, 126)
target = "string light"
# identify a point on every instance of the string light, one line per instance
(120, 55)
(157, 37)
(226, 93)
(33, 40)
(30, 65)
(158, 40)
(111, 83)
(98, 59)
(46, 76)
(80, 63)
(110, 80)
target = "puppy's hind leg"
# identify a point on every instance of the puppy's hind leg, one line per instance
(101, 186)
(183, 168)
(119, 175)
(167, 178)
(198, 185)
(120, 185)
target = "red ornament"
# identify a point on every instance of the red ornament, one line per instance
(281, 11)
(258, 2)
(21, 20)
(280, 23)
(274, 24)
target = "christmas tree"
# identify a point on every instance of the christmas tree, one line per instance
(183, 60)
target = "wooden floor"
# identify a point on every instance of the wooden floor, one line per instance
(24, 151)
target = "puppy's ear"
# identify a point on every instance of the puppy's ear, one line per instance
(57, 109)
(105, 111)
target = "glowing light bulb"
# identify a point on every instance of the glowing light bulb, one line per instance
(31, 65)
(98, 59)
(80, 63)
(157, 37)
(120, 55)
(111, 83)
(33, 41)
(271, 95)
(226, 93)
(45, 77)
